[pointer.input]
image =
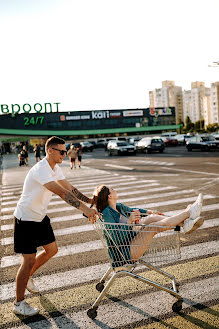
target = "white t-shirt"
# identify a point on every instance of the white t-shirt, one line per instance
(35, 198)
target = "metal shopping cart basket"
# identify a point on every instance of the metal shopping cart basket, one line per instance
(124, 243)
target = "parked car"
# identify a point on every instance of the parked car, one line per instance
(76, 144)
(216, 136)
(169, 141)
(103, 142)
(169, 134)
(119, 148)
(93, 143)
(203, 143)
(87, 146)
(133, 140)
(181, 139)
(150, 144)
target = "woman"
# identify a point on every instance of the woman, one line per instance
(133, 244)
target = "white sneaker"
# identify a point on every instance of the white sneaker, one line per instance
(191, 225)
(23, 308)
(31, 286)
(196, 207)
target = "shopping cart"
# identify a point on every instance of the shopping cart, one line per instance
(123, 242)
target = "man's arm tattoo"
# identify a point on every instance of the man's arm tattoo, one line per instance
(70, 199)
(80, 196)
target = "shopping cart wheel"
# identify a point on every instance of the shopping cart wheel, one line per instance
(100, 286)
(92, 313)
(177, 306)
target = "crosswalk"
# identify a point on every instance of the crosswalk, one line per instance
(68, 280)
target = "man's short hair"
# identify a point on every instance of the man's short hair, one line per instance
(52, 141)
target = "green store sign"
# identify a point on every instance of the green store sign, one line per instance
(14, 109)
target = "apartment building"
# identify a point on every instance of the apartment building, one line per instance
(168, 95)
(214, 102)
(201, 103)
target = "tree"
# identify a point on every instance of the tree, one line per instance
(199, 125)
(212, 127)
(189, 124)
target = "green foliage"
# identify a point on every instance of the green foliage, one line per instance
(212, 127)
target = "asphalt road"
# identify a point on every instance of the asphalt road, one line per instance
(167, 182)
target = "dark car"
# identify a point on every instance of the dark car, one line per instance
(93, 143)
(203, 143)
(150, 144)
(87, 146)
(119, 148)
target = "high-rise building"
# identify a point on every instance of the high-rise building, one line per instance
(214, 101)
(168, 95)
(197, 103)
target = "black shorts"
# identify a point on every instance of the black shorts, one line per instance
(29, 235)
(79, 158)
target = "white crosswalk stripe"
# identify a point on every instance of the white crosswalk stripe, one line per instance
(150, 162)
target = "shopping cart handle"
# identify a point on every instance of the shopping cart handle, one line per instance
(177, 228)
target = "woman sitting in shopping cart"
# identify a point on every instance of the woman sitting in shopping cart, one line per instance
(120, 222)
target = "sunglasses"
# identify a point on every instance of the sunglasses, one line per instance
(60, 151)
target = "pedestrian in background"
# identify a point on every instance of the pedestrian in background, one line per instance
(37, 153)
(26, 154)
(21, 157)
(79, 154)
(72, 154)
(32, 226)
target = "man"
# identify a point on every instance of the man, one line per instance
(72, 154)
(32, 226)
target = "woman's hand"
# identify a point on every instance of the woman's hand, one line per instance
(134, 217)
(154, 212)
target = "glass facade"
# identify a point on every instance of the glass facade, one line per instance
(89, 120)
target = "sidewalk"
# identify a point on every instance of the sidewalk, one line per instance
(12, 174)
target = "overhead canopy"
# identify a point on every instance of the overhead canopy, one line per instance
(23, 132)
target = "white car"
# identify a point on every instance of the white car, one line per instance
(119, 148)
(150, 144)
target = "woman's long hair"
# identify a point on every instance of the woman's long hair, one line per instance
(100, 197)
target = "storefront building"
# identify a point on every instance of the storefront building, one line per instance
(88, 124)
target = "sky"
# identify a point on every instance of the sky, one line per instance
(104, 54)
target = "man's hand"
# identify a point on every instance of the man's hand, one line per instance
(91, 214)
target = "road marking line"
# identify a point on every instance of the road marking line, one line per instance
(119, 167)
(170, 202)
(153, 162)
(159, 195)
(192, 171)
